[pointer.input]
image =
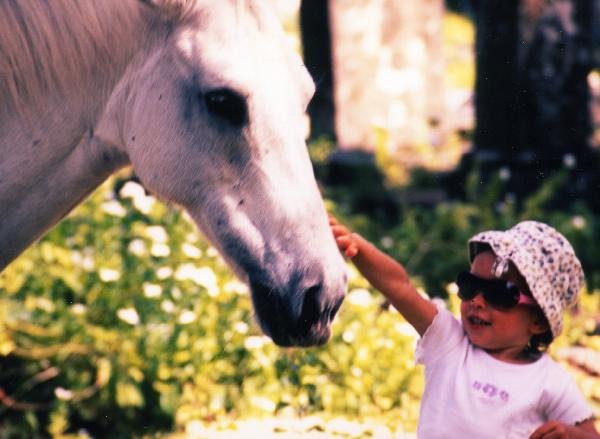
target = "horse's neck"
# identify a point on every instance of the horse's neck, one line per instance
(47, 169)
(53, 158)
(29, 209)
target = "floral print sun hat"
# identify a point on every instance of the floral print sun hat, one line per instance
(544, 258)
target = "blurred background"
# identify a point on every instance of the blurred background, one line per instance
(432, 121)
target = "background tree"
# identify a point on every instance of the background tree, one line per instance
(532, 95)
(316, 43)
(383, 78)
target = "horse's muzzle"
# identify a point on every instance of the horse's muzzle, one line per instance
(290, 323)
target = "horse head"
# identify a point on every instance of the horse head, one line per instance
(215, 122)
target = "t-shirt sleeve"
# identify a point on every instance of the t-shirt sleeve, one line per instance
(567, 404)
(440, 338)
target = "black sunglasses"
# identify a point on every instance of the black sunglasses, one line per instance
(496, 292)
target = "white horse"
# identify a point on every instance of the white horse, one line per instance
(205, 100)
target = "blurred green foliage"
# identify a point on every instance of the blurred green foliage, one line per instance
(123, 321)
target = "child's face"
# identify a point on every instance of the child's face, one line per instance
(502, 333)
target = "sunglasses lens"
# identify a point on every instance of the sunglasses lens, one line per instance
(466, 287)
(498, 295)
(496, 292)
(509, 297)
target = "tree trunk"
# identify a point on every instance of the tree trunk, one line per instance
(556, 59)
(388, 76)
(496, 85)
(532, 95)
(316, 42)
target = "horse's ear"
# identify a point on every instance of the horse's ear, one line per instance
(168, 10)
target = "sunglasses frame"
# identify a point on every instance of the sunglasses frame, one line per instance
(498, 293)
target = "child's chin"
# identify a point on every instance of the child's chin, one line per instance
(477, 342)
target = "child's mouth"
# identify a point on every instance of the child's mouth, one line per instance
(477, 321)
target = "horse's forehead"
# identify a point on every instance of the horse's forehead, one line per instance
(225, 17)
(236, 39)
(227, 25)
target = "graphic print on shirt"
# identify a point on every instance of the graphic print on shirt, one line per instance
(490, 394)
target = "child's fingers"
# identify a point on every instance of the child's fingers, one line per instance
(351, 251)
(343, 242)
(339, 231)
(347, 246)
(343, 238)
(549, 430)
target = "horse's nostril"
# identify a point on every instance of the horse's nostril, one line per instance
(300, 319)
(335, 308)
(311, 309)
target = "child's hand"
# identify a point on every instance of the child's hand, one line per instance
(555, 429)
(551, 429)
(344, 238)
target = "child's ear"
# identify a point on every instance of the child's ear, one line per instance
(539, 325)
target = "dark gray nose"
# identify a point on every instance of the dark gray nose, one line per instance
(315, 308)
(297, 317)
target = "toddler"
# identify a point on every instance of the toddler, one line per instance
(487, 376)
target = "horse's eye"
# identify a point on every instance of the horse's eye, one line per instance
(228, 105)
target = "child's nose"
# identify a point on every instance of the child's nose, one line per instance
(478, 300)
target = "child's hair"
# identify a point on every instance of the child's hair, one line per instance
(546, 261)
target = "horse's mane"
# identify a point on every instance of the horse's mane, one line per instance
(48, 45)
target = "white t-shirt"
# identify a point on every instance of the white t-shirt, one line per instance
(468, 393)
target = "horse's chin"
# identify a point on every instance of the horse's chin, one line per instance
(287, 342)
(316, 335)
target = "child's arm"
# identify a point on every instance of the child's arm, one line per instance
(387, 276)
(558, 430)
